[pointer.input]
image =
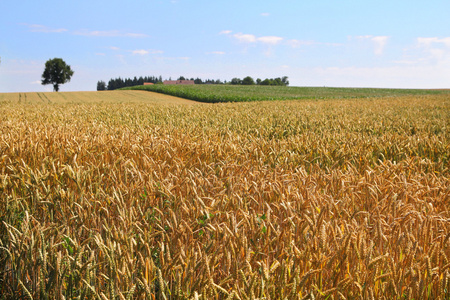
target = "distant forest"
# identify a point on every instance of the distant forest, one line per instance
(118, 83)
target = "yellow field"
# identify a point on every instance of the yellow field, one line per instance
(113, 196)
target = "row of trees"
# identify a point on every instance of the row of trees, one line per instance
(201, 81)
(118, 83)
(281, 81)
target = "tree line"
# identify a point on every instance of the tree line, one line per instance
(117, 83)
(281, 81)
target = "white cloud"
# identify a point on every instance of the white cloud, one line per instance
(114, 48)
(435, 50)
(427, 42)
(245, 38)
(145, 52)
(271, 40)
(265, 14)
(294, 43)
(44, 29)
(140, 52)
(216, 52)
(298, 43)
(362, 37)
(379, 42)
(405, 61)
(250, 38)
(438, 54)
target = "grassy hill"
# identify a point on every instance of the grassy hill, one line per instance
(213, 93)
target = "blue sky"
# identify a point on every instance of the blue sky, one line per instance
(398, 44)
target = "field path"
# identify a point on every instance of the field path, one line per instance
(95, 97)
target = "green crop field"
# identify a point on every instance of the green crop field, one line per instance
(114, 195)
(238, 93)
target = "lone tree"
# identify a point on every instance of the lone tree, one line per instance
(56, 72)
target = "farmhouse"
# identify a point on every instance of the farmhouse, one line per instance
(187, 82)
(148, 83)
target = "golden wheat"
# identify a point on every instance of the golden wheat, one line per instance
(127, 199)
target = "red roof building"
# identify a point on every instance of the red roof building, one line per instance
(185, 82)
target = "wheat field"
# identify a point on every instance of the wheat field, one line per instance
(115, 196)
(104, 97)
